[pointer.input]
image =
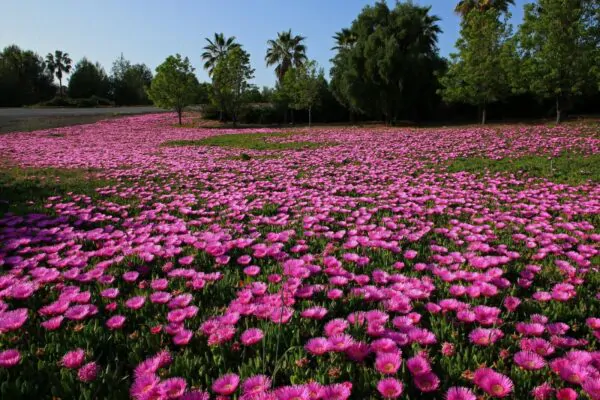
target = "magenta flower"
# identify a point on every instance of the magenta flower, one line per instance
(88, 372)
(9, 358)
(390, 388)
(73, 359)
(115, 322)
(292, 393)
(256, 384)
(226, 385)
(529, 360)
(493, 383)
(195, 395)
(318, 346)
(460, 393)
(426, 382)
(53, 323)
(485, 337)
(337, 391)
(388, 363)
(12, 320)
(172, 388)
(183, 337)
(418, 365)
(251, 336)
(136, 302)
(143, 385)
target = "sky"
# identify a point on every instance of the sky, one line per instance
(147, 31)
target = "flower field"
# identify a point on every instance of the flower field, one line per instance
(139, 260)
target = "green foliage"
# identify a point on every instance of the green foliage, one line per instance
(285, 52)
(557, 50)
(250, 141)
(175, 85)
(87, 80)
(129, 82)
(24, 78)
(230, 81)
(567, 168)
(216, 49)
(25, 190)
(388, 67)
(302, 85)
(59, 64)
(478, 72)
(464, 7)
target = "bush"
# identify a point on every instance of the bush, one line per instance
(93, 101)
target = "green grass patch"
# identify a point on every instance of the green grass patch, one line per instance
(567, 168)
(249, 141)
(24, 190)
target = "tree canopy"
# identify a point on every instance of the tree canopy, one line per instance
(87, 80)
(175, 85)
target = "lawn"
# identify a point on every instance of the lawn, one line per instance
(142, 260)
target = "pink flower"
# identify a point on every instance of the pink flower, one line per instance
(388, 363)
(485, 337)
(418, 365)
(390, 388)
(226, 385)
(256, 384)
(318, 346)
(566, 394)
(187, 260)
(492, 382)
(12, 320)
(53, 323)
(9, 358)
(73, 359)
(460, 393)
(172, 388)
(529, 360)
(448, 349)
(115, 322)
(292, 393)
(251, 336)
(143, 385)
(136, 302)
(88, 372)
(252, 270)
(183, 337)
(426, 382)
(337, 391)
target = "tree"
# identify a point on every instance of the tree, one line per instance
(174, 85)
(230, 81)
(478, 74)
(217, 49)
(59, 63)
(129, 82)
(303, 87)
(464, 7)
(24, 78)
(395, 52)
(285, 52)
(87, 80)
(344, 39)
(556, 50)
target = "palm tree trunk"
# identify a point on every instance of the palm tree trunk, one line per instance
(60, 91)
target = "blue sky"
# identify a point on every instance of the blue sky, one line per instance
(150, 30)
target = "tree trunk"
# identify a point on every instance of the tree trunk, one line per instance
(285, 115)
(220, 115)
(60, 91)
(309, 116)
(558, 111)
(234, 120)
(483, 114)
(292, 111)
(179, 115)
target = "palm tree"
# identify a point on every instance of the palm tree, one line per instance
(465, 6)
(344, 39)
(58, 63)
(216, 49)
(284, 52)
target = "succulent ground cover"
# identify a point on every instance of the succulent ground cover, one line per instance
(139, 260)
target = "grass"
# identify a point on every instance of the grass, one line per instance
(567, 168)
(249, 141)
(24, 190)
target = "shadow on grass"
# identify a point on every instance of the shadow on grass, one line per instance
(25, 190)
(249, 141)
(568, 168)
